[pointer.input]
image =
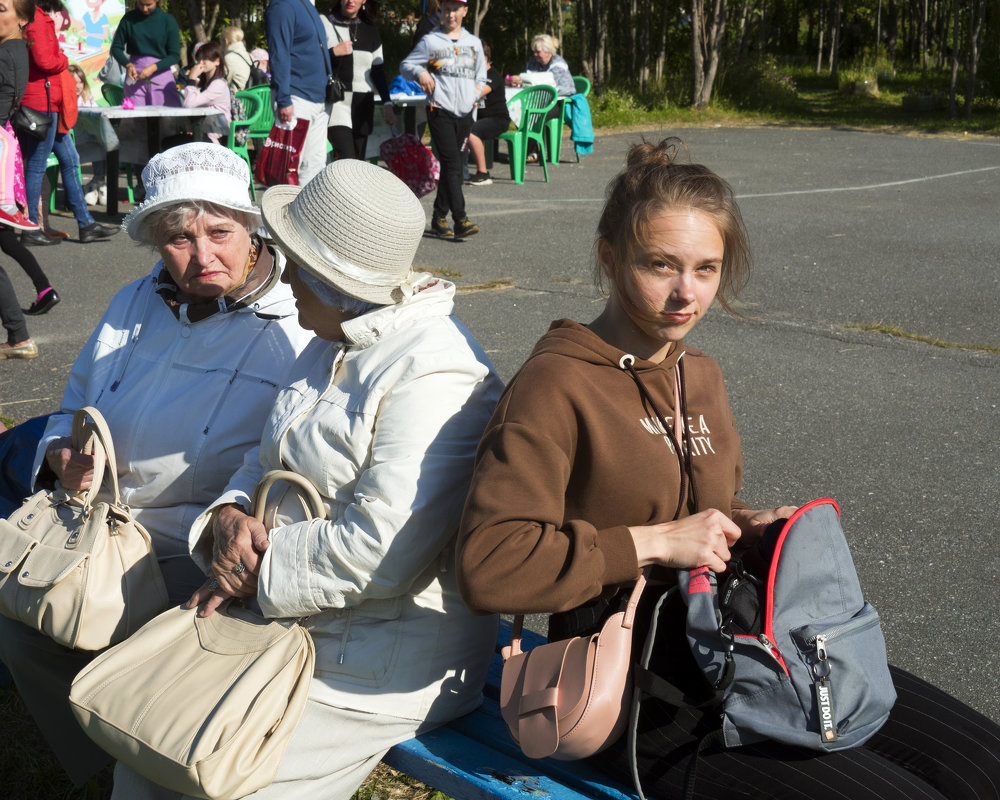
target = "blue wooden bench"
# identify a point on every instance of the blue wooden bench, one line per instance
(474, 758)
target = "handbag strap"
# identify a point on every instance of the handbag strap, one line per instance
(92, 436)
(627, 620)
(319, 38)
(259, 502)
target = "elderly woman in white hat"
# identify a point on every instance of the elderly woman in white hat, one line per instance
(185, 366)
(383, 414)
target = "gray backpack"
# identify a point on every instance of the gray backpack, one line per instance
(791, 650)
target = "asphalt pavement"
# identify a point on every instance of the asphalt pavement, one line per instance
(850, 229)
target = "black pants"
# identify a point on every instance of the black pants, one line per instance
(933, 747)
(10, 311)
(345, 143)
(10, 243)
(451, 137)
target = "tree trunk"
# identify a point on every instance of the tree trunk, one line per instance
(821, 24)
(892, 30)
(707, 31)
(197, 17)
(601, 56)
(582, 32)
(835, 38)
(952, 108)
(976, 16)
(482, 6)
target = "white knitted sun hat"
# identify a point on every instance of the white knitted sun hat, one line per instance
(196, 171)
(354, 226)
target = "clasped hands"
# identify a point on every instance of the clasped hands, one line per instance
(237, 551)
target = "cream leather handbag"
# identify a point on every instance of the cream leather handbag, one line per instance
(203, 706)
(75, 565)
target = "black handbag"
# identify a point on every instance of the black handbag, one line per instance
(32, 122)
(334, 89)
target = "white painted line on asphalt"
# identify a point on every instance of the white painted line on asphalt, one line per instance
(870, 186)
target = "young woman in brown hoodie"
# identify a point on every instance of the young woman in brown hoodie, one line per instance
(578, 485)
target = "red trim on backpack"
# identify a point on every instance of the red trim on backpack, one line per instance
(769, 607)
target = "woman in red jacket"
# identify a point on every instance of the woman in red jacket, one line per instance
(44, 93)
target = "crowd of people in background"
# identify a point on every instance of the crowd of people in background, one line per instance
(466, 104)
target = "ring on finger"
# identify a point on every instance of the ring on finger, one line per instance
(239, 569)
(213, 584)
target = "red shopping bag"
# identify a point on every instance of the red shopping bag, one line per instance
(278, 161)
(411, 162)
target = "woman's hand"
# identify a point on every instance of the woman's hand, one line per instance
(286, 114)
(240, 542)
(132, 72)
(343, 49)
(147, 72)
(73, 469)
(197, 70)
(426, 81)
(753, 522)
(703, 539)
(390, 115)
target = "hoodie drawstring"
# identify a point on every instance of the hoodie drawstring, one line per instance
(679, 434)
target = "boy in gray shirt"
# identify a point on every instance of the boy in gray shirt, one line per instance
(450, 67)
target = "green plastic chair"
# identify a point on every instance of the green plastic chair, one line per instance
(555, 125)
(536, 102)
(113, 94)
(264, 121)
(254, 108)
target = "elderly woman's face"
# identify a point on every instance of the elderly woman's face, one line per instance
(542, 56)
(208, 257)
(314, 314)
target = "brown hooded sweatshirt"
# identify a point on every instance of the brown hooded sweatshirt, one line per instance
(573, 456)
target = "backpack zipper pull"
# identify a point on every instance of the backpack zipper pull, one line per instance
(824, 692)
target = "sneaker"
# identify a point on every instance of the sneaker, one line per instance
(44, 302)
(95, 231)
(481, 179)
(464, 227)
(532, 158)
(440, 227)
(52, 233)
(18, 220)
(37, 239)
(25, 349)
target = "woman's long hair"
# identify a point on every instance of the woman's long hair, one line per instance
(210, 51)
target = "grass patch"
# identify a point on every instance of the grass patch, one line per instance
(443, 272)
(489, 286)
(898, 333)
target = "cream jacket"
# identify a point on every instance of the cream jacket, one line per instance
(386, 427)
(184, 401)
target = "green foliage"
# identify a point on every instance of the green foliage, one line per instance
(759, 85)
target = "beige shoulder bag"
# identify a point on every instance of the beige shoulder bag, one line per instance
(203, 706)
(77, 567)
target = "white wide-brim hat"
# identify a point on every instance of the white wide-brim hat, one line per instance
(199, 171)
(355, 226)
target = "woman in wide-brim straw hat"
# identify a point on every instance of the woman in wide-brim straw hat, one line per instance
(383, 415)
(184, 365)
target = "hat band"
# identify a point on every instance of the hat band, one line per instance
(364, 274)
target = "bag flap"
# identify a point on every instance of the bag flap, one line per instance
(237, 631)
(15, 544)
(46, 566)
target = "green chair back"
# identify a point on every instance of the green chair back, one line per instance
(113, 94)
(582, 84)
(264, 120)
(254, 107)
(536, 102)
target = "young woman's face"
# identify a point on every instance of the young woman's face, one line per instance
(208, 257)
(209, 65)
(10, 23)
(78, 84)
(349, 9)
(675, 279)
(147, 7)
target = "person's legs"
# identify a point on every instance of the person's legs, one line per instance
(43, 671)
(11, 245)
(342, 140)
(69, 167)
(35, 153)
(478, 152)
(10, 311)
(313, 157)
(451, 136)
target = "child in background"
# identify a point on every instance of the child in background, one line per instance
(493, 119)
(450, 67)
